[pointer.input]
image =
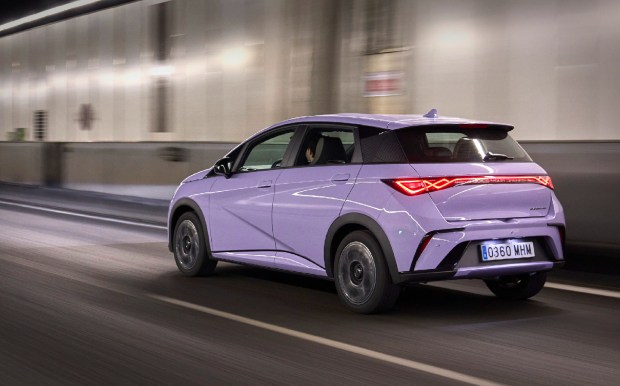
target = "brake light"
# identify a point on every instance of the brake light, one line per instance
(415, 186)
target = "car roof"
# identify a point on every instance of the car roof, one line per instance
(384, 121)
(387, 121)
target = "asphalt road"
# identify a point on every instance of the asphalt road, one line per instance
(84, 301)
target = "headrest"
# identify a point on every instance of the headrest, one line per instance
(329, 150)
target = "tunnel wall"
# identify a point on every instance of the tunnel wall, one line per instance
(223, 69)
(212, 71)
(21, 162)
(151, 170)
(586, 175)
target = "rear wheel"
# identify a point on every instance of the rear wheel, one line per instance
(190, 247)
(361, 275)
(518, 287)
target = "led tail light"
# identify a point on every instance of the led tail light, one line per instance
(415, 186)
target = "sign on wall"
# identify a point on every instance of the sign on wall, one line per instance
(384, 83)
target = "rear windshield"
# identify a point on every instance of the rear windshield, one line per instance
(436, 144)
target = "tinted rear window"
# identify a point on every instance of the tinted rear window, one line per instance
(381, 146)
(437, 144)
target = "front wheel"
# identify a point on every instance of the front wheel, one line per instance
(361, 275)
(190, 247)
(518, 287)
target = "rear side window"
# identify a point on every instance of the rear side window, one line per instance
(450, 143)
(380, 146)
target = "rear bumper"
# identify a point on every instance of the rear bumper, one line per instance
(478, 272)
(424, 276)
(503, 270)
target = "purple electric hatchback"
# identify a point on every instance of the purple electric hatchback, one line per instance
(373, 202)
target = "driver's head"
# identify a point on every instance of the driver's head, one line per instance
(311, 147)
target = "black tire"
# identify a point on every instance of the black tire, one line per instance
(191, 252)
(361, 275)
(518, 287)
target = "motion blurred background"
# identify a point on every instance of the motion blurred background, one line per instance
(128, 97)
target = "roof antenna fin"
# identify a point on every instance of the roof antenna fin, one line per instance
(431, 114)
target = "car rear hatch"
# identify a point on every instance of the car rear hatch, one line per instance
(478, 192)
(476, 172)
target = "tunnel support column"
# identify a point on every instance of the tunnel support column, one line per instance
(51, 167)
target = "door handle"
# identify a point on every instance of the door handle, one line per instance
(341, 177)
(265, 184)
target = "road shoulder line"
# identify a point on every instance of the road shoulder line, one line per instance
(583, 290)
(82, 215)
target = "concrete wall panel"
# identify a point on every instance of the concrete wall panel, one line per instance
(21, 163)
(150, 170)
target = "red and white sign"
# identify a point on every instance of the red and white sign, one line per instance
(383, 83)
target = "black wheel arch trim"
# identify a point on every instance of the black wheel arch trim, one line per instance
(374, 228)
(195, 208)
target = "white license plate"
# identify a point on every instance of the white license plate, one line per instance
(503, 251)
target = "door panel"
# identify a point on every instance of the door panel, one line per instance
(240, 206)
(307, 200)
(240, 212)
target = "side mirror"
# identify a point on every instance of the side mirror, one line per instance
(223, 167)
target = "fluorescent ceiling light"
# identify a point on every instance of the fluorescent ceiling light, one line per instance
(46, 13)
(235, 57)
(161, 71)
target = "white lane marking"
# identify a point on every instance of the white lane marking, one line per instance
(438, 371)
(584, 290)
(82, 215)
